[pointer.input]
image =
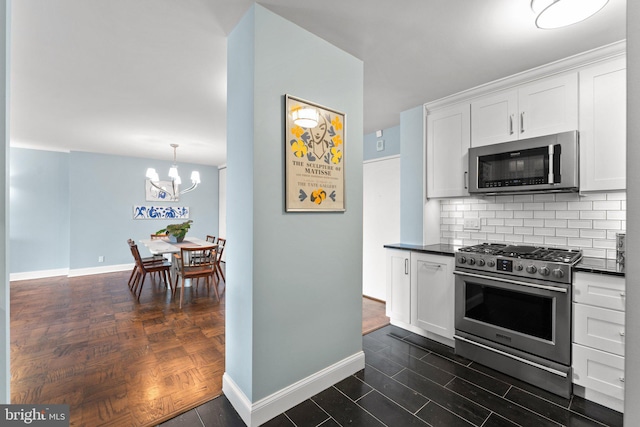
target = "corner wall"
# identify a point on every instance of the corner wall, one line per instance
(294, 294)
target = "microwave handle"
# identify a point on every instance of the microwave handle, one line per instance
(551, 165)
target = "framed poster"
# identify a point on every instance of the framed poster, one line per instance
(314, 157)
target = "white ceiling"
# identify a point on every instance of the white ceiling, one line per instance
(131, 77)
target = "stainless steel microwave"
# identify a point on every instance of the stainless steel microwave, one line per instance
(543, 164)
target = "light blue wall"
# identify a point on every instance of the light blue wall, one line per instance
(240, 208)
(306, 290)
(78, 206)
(39, 210)
(411, 175)
(391, 137)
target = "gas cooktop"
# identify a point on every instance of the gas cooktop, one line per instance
(568, 256)
(533, 262)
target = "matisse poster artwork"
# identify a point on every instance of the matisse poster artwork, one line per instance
(314, 157)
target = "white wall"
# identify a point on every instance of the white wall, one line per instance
(380, 222)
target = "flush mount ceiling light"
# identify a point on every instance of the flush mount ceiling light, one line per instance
(305, 117)
(173, 192)
(560, 13)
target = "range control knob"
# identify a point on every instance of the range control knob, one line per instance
(519, 267)
(544, 270)
(481, 262)
(462, 260)
(531, 269)
(558, 274)
(491, 263)
(472, 261)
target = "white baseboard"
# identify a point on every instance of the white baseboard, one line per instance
(42, 274)
(255, 414)
(29, 275)
(100, 270)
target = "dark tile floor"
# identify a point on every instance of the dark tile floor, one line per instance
(412, 381)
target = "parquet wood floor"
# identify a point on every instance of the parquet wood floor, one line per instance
(87, 342)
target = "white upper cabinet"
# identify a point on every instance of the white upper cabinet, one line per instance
(494, 118)
(448, 140)
(543, 107)
(603, 136)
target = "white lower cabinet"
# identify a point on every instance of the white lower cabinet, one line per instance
(420, 293)
(598, 338)
(398, 304)
(432, 293)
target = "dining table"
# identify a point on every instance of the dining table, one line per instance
(164, 247)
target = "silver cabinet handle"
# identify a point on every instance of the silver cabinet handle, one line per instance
(621, 333)
(431, 264)
(621, 379)
(511, 124)
(406, 266)
(622, 294)
(466, 180)
(522, 122)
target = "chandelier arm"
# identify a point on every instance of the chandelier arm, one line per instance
(193, 187)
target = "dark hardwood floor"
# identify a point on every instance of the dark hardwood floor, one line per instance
(87, 342)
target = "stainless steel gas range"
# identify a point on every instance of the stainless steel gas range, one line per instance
(513, 311)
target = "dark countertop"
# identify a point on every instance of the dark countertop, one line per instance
(587, 264)
(436, 249)
(600, 266)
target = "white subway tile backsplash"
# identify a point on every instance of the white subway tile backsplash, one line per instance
(580, 223)
(556, 223)
(544, 198)
(556, 206)
(594, 234)
(544, 214)
(607, 225)
(593, 214)
(555, 241)
(533, 206)
(504, 214)
(523, 214)
(589, 222)
(567, 215)
(617, 196)
(580, 206)
(580, 243)
(541, 231)
(610, 205)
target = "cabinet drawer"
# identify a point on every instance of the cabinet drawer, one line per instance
(599, 371)
(599, 290)
(600, 328)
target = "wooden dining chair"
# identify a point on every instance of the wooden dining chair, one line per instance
(210, 238)
(195, 263)
(219, 272)
(145, 260)
(143, 268)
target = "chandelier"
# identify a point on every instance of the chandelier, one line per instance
(172, 190)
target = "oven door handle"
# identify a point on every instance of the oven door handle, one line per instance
(519, 359)
(516, 282)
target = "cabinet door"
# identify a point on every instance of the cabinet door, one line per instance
(600, 328)
(448, 140)
(432, 295)
(398, 285)
(494, 119)
(603, 136)
(599, 371)
(548, 106)
(599, 290)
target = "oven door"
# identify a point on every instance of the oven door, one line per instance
(532, 316)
